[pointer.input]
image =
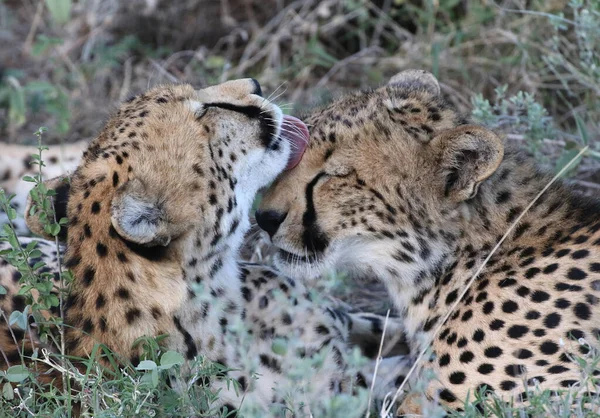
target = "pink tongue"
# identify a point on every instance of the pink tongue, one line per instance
(296, 132)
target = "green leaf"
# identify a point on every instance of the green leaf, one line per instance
(16, 105)
(18, 318)
(38, 265)
(16, 374)
(146, 365)
(60, 10)
(28, 179)
(7, 392)
(2, 290)
(35, 254)
(582, 130)
(565, 159)
(170, 359)
(279, 346)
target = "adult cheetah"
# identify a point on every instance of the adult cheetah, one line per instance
(397, 184)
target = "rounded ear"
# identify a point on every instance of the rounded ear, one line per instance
(467, 156)
(416, 79)
(62, 186)
(137, 215)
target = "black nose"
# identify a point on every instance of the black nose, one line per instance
(257, 90)
(269, 220)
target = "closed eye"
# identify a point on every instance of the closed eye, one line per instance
(253, 112)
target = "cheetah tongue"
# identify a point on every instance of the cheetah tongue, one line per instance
(296, 132)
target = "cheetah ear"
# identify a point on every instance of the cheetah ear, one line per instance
(416, 79)
(62, 186)
(467, 156)
(138, 216)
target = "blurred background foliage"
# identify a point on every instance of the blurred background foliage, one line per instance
(529, 68)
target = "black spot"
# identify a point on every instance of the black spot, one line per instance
(100, 301)
(322, 329)
(95, 207)
(478, 335)
(517, 331)
(493, 352)
(549, 347)
(507, 282)
(557, 369)
(123, 293)
(88, 326)
(485, 368)
(270, 362)
(582, 311)
(447, 395)
(575, 333)
(466, 357)
(507, 385)
(576, 274)
(552, 320)
(88, 275)
(503, 197)
(101, 250)
(115, 179)
(579, 254)
(539, 296)
(562, 303)
(451, 297)
(444, 360)
(122, 257)
(132, 314)
(457, 378)
(488, 307)
(509, 306)
(496, 324)
(523, 354)
(551, 268)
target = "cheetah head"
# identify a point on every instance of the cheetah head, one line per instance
(386, 174)
(176, 161)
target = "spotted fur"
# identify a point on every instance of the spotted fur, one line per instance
(157, 211)
(397, 184)
(15, 163)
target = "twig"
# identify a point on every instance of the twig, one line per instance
(340, 64)
(37, 19)
(377, 363)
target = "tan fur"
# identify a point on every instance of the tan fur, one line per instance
(15, 163)
(157, 211)
(396, 184)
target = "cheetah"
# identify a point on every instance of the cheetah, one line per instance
(397, 184)
(15, 163)
(157, 210)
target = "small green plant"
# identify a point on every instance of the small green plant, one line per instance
(25, 99)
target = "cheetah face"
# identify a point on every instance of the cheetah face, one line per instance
(384, 169)
(211, 150)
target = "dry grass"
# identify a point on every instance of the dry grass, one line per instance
(305, 51)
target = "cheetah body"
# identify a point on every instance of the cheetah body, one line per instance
(395, 183)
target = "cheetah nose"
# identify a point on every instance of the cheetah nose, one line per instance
(269, 220)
